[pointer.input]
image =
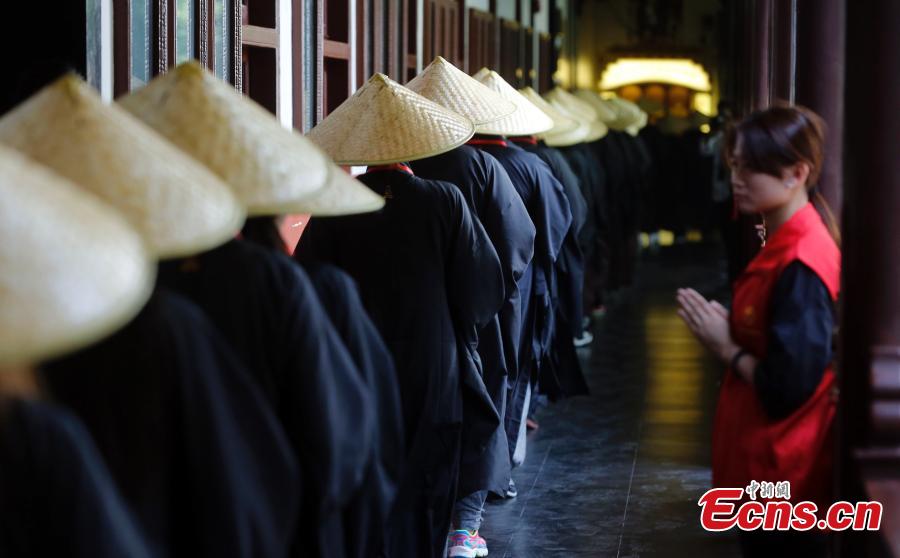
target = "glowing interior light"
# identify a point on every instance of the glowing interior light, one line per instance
(584, 72)
(675, 71)
(562, 73)
(705, 128)
(666, 238)
(703, 103)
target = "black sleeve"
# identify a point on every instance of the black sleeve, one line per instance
(799, 346)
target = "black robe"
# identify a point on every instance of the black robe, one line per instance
(187, 435)
(493, 200)
(56, 495)
(612, 158)
(430, 279)
(267, 310)
(637, 165)
(365, 515)
(561, 373)
(546, 202)
(595, 236)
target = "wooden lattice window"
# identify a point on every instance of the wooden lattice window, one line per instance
(151, 36)
(482, 41)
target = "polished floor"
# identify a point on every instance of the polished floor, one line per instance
(619, 473)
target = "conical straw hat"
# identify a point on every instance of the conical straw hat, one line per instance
(384, 122)
(342, 195)
(603, 110)
(450, 87)
(481, 74)
(178, 206)
(639, 124)
(561, 123)
(527, 120)
(71, 269)
(572, 104)
(565, 139)
(271, 169)
(627, 114)
(596, 129)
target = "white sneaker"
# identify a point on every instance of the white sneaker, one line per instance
(584, 340)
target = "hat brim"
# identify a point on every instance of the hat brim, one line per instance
(342, 195)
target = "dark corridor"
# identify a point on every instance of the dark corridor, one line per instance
(619, 473)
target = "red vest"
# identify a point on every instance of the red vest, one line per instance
(747, 445)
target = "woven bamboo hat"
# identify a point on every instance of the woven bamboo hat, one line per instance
(450, 87)
(527, 120)
(342, 195)
(604, 112)
(384, 122)
(627, 114)
(271, 169)
(561, 122)
(71, 269)
(573, 105)
(596, 129)
(639, 124)
(566, 139)
(178, 206)
(481, 74)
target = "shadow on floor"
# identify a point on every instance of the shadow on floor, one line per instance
(619, 473)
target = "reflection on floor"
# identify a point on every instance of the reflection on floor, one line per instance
(619, 473)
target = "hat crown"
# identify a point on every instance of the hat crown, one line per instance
(450, 87)
(270, 168)
(174, 202)
(527, 120)
(71, 269)
(601, 107)
(628, 114)
(572, 103)
(384, 122)
(482, 73)
(562, 123)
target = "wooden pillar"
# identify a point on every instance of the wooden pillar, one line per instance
(820, 80)
(761, 53)
(869, 429)
(784, 51)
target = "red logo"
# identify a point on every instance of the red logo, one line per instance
(725, 508)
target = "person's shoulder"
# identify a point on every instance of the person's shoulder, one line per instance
(174, 313)
(440, 189)
(818, 250)
(327, 277)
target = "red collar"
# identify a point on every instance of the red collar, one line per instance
(399, 167)
(530, 140)
(485, 141)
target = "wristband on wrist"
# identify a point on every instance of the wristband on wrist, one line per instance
(737, 357)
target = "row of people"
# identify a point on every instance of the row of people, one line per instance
(242, 404)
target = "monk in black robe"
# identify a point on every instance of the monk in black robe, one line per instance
(561, 374)
(365, 515)
(269, 313)
(189, 439)
(360, 531)
(56, 495)
(594, 237)
(546, 202)
(637, 164)
(493, 200)
(430, 279)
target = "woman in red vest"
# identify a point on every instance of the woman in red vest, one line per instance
(774, 420)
